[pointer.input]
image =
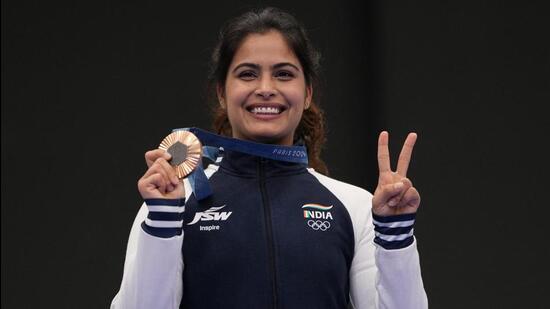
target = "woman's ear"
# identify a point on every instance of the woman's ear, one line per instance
(309, 97)
(221, 95)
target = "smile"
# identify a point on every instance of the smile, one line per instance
(262, 109)
(266, 110)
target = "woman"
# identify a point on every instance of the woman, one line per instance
(273, 234)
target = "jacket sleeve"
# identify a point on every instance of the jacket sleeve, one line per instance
(392, 261)
(385, 271)
(153, 267)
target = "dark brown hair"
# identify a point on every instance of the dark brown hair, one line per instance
(311, 129)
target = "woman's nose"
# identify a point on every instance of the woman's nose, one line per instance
(266, 88)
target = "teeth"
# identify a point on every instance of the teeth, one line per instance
(266, 110)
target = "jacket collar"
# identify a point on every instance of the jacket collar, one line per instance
(245, 165)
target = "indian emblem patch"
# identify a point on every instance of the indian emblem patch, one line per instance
(318, 216)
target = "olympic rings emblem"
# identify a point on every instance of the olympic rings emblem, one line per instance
(318, 225)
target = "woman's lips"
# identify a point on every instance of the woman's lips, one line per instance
(266, 111)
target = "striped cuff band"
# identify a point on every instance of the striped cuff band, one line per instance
(394, 232)
(165, 217)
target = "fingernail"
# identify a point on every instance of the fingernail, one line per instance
(167, 155)
(175, 180)
(398, 185)
(392, 203)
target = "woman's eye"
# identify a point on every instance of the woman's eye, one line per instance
(284, 75)
(247, 75)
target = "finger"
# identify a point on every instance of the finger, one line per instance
(383, 153)
(152, 155)
(405, 155)
(387, 192)
(154, 182)
(397, 199)
(157, 168)
(170, 171)
(411, 198)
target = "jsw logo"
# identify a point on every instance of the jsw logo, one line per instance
(211, 215)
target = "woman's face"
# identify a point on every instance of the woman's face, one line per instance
(265, 90)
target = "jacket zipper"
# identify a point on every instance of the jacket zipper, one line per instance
(269, 231)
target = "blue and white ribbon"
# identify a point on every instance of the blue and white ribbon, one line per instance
(212, 142)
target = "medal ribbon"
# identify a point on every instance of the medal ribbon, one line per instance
(212, 142)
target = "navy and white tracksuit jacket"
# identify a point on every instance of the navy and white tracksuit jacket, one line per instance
(272, 235)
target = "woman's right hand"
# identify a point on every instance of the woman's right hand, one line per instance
(160, 180)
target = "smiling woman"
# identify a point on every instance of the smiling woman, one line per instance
(289, 62)
(298, 238)
(265, 92)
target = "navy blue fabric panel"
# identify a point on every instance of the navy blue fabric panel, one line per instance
(226, 267)
(164, 202)
(390, 219)
(254, 231)
(396, 244)
(165, 216)
(314, 254)
(162, 232)
(393, 230)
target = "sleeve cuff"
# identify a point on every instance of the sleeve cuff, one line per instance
(165, 217)
(394, 232)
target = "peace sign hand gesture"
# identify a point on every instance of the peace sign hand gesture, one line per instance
(395, 194)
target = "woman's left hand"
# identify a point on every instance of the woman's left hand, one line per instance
(395, 194)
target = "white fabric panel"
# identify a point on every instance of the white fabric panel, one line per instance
(157, 223)
(395, 237)
(394, 224)
(153, 267)
(174, 209)
(152, 270)
(379, 278)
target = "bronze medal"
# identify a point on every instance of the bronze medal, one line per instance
(185, 149)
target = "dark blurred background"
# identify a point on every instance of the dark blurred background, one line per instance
(88, 87)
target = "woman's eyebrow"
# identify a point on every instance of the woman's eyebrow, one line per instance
(257, 67)
(282, 64)
(247, 64)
